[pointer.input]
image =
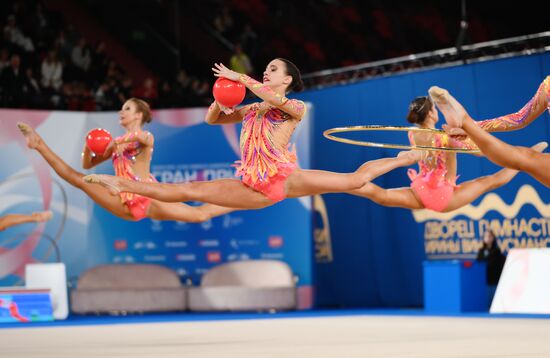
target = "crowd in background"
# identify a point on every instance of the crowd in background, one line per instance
(45, 63)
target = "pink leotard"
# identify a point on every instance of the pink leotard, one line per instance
(122, 163)
(264, 166)
(431, 184)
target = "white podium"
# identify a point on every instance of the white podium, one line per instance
(53, 277)
(524, 286)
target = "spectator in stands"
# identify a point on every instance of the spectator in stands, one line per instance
(12, 79)
(4, 58)
(249, 40)
(62, 45)
(113, 70)
(180, 88)
(203, 92)
(39, 27)
(69, 98)
(100, 63)
(147, 91)
(102, 99)
(240, 62)
(223, 22)
(32, 93)
(166, 95)
(196, 90)
(88, 100)
(183, 80)
(125, 90)
(81, 55)
(52, 71)
(490, 253)
(13, 34)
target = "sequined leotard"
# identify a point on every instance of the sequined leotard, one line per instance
(122, 163)
(266, 159)
(432, 185)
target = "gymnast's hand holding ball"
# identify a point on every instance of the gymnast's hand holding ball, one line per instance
(99, 141)
(227, 91)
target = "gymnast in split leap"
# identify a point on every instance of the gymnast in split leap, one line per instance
(529, 160)
(131, 155)
(268, 168)
(434, 186)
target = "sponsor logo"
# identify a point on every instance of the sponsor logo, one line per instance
(186, 257)
(272, 255)
(230, 221)
(180, 226)
(123, 258)
(275, 241)
(181, 272)
(213, 256)
(156, 225)
(175, 244)
(238, 257)
(207, 225)
(154, 258)
(236, 244)
(201, 271)
(121, 245)
(148, 245)
(209, 243)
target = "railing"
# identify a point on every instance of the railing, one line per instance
(483, 51)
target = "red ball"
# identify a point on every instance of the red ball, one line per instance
(228, 93)
(98, 139)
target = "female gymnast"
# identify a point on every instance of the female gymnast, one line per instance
(10, 220)
(434, 186)
(131, 156)
(268, 168)
(529, 160)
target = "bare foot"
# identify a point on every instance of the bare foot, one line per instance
(505, 175)
(107, 181)
(414, 155)
(453, 111)
(32, 138)
(540, 147)
(42, 216)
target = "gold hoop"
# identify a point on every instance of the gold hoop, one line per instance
(328, 134)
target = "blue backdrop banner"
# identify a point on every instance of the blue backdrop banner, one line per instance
(378, 251)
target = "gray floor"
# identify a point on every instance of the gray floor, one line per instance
(357, 336)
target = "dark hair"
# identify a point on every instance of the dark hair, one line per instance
(419, 109)
(296, 85)
(493, 236)
(492, 233)
(144, 108)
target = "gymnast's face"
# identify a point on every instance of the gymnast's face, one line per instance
(275, 75)
(128, 115)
